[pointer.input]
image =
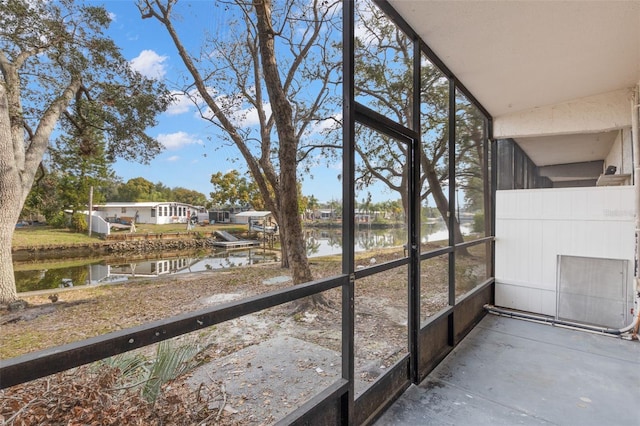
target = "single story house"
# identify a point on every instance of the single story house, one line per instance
(219, 216)
(324, 214)
(154, 212)
(257, 220)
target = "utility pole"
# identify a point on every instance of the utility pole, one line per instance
(90, 208)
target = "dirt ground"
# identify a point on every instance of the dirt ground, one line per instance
(259, 367)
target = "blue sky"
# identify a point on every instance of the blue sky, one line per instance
(190, 155)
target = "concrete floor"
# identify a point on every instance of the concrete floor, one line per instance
(509, 371)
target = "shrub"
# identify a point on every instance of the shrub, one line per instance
(58, 220)
(478, 222)
(79, 222)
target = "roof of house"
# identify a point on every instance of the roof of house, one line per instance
(151, 204)
(254, 213)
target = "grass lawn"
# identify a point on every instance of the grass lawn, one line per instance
(31, 236)
(144, 228)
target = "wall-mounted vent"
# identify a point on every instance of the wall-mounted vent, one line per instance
(593, 291)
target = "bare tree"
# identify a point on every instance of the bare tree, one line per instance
(276, 61)
(384, 82)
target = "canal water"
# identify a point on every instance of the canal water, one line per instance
(51, 274)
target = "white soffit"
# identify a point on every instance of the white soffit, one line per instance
(254, 213)
(519, 55)
(565, 149)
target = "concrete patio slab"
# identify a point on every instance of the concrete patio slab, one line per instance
(509, 371)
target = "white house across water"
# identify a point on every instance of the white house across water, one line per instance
(153, 212)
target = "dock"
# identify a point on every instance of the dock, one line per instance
(233, 242)
(236, 244)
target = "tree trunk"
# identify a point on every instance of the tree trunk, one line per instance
(443, 207)
(283, 113)
(19, 161)
(10, 203)
(284, 262)
(7, 280)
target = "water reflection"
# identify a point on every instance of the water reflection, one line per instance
(110, 271)
(328, 241)
(320, 242)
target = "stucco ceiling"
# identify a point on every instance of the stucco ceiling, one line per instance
(519, 55)
(567, 149)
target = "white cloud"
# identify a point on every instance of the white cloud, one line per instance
(177, 140)
(249, 117)
(324, 126)
(150, 64)
(173, 158)
(113, 17)
(240, 113)
(321, 162)
(181, 104)
(335, 166)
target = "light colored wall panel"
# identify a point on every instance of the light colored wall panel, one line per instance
(621, 153)
(534, 226)
(525, 298)
(536, 208)
(548, 302)
(604, 112)
(551, 238)
(536, 252)
(616, 156)
(510, 295)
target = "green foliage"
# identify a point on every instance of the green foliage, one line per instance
(79, 222)
(478, 222)
(380, 220)
(130, 366)
(60, 72)
(188, 196)
(43, 198)
(61, 45)
(58, 220)
(336, 206)
(232, 189)
(139, 189)
(79, 160)
(149, 375)
(310, 201)
(170, 362)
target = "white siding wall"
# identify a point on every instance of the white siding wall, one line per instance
(144, 215)
(534, 226)
(98, 224)
(106, 212)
